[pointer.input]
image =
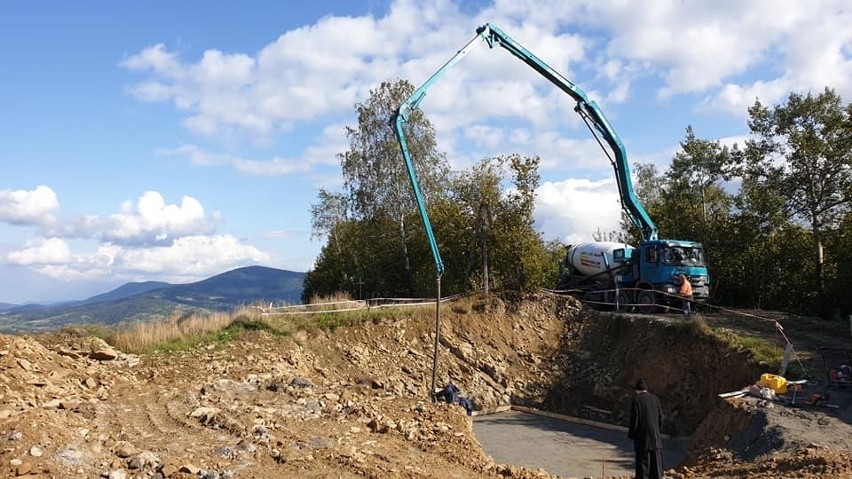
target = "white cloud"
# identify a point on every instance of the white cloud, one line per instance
(736, 99)
(146, 238)
(319, 71)
(573, 209)
(274, 167)
(305, 73)
(324, 68)
(147, 221)
(197, 156)
(34, 207)
(277, 166)
(155, 221)
(731, 141)
(189, 258)
(154, 58)
(719, 56)
(41, 252)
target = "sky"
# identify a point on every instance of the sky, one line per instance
(172, 141)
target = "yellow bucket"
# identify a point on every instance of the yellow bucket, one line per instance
(774, 382)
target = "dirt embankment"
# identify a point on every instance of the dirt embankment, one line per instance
(354, 402)
(601, 356)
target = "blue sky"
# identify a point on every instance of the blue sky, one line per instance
(173, 141)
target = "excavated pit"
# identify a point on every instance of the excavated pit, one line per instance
(599, 357)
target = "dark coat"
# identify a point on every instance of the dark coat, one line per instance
(646, 418)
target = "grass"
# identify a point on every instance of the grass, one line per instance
(694, 327)
(183, 331)
(330, 320)
(186, 331)
(761, 351)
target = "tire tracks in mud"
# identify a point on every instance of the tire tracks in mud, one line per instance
(155, 416)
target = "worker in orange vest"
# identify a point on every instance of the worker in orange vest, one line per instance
(686, 294)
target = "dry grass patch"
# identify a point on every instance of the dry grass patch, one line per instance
(181, 331)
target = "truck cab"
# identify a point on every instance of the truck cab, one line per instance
(661, 263)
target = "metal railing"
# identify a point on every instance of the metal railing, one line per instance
(352, 305)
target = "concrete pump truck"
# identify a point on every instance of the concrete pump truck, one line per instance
(643, 277)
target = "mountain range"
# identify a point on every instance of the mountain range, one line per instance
(152, 300)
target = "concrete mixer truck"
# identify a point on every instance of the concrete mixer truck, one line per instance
(600, 273)
(619, 275)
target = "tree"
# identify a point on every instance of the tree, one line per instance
(477, 192)
(326, 215)
(648, 185)
(804, 148)
(837, 263)
(519, 255)
(366, 224)
(695, 172)
(488, 226)
(688, 201)
(374, 174)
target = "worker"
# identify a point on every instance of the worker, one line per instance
(686, 296)
(646, 418)
(451, 394)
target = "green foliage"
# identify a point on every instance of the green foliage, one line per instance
(369, 225)
(763, 241)
(482, 218)
(763, 211)
(811, 135)
(760, 350)
(331, 320)
(838, 246)
(375, 178)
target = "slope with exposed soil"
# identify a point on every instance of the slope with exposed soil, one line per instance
(354, 402)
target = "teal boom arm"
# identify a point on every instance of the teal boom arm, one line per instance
(587, 108)
(399, 119)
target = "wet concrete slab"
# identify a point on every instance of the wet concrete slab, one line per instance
(561, 447)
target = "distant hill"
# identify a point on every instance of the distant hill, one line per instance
(124, 291)
(238, 287)
(128, 289)
(154, 300)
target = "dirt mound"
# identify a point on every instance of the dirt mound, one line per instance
(354, 402)
(348, 403)
(778, 438)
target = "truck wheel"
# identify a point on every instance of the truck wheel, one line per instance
(624, 301)
(646, 302)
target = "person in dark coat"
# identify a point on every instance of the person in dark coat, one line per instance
(646, 418)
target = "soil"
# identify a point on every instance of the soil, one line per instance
(355, 402)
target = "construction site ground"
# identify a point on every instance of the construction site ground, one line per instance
(354, 401)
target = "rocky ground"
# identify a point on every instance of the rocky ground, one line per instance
(353, 402)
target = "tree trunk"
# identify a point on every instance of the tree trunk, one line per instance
(485, 269)
(819, 269)
(405, 258)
